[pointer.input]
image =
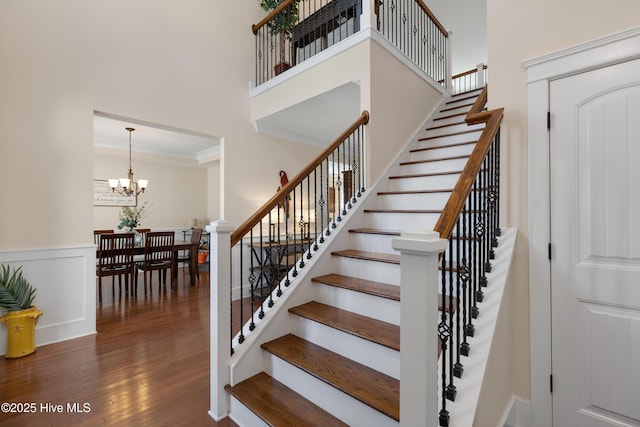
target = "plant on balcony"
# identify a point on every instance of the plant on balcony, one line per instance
(282, 26)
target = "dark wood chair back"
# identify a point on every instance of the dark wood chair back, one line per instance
(158, 255)
(115, 257)
(98, 233)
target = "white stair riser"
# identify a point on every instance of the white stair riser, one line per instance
(460, 100)
(339, 404)
(423, 182)
(438, 153)
(450, 118)
(402, 221)
(455, 109)
(372, 242)
(375, 356)
(243, 416)
(450, 139)
(457, 127)
(413, 201)
(370, 270)
(384, 309)
(433, 167)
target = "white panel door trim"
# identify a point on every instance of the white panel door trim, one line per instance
(608, 50)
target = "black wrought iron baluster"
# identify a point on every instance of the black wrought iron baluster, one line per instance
(447, 308)
(307, 226)
(480, 233)
(348, 170)
(443, 335)
(301, 227)
(465, 276)
(362, 159)
(322, 202)
(471, 295)
(291, 239)
(335, 190)
(475, 311)
(339, 185)
(315, 206)
(497, 145)
(458, 368)
(486, 172)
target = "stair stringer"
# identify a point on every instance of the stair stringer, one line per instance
(247, 359)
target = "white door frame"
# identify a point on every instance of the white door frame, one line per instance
(595, 54)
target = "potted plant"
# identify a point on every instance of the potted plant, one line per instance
(282, 25)
(20, 318)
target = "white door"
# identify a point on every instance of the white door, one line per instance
(595, 235)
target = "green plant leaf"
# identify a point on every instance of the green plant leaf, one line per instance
(16, 293)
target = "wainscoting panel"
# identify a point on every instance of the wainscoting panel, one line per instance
(66, 291)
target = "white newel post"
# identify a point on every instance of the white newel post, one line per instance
(220, 312)
(418, 326)
(368, 17)
(480, 79)
(449, 65)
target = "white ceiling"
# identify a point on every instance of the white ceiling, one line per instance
(109, 131)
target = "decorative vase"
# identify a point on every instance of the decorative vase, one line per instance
(21, 331)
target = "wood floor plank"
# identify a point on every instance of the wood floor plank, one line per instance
(147, 365)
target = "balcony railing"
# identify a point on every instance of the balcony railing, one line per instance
(299, 29)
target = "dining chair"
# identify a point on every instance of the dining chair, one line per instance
(98, 233)
(191, 255)
(158, 254)
(115, 258)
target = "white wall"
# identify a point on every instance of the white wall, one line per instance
(178, 189)
(186, 65)
(467, 19)
(518, 31)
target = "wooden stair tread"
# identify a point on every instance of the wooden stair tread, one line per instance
(462, 132)
(425, 175)
(461, 97)
(409, 211)
(375, 231)
(440, 159)
(453, 108)
(368, 256)
(406, 192)
(380, 257)
(374, 330)
(377, 390)
(450, 116)
(278, 405)
(436, 147)
(370, 287)
(462, 122)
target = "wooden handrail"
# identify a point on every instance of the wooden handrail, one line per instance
(466, 73)
(449, 217)
(280, 196)
(270, 16)
(433, 18)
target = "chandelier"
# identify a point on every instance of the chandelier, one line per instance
(127, 186)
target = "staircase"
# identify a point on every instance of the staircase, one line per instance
(340, 362)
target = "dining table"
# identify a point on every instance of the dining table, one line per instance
(178, 245)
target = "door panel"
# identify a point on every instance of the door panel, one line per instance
(595, 233)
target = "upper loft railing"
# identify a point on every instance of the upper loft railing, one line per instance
(277, 241)
(298, 29)
(469, 80)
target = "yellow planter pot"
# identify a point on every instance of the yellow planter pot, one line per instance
(21, 331)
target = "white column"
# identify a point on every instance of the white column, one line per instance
(418, 326)
(220, 315)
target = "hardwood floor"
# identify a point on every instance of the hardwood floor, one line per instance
(147, 365)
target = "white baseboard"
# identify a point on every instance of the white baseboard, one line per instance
(518, 414)
(66, 291)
